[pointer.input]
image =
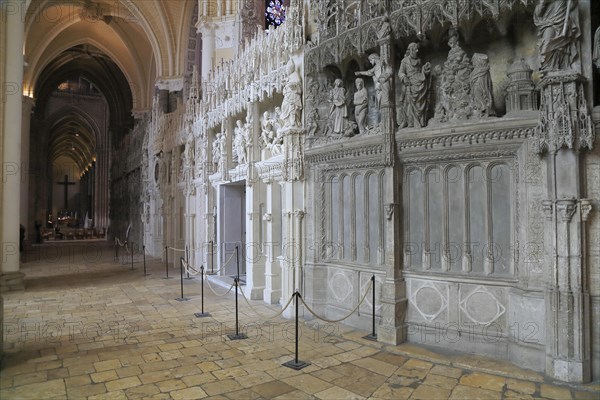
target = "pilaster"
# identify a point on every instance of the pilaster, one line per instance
(564, 130)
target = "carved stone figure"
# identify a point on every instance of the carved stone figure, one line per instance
(558, 25)
(385, 30)
(596, 52)
(267, 129)
(216, 149)
(291, 107)
(454, 102)
(361, 105)
(313, 122)
(278, 122)
(240, 143)
(338, 111)
(276, 146)
(375, 72)
(415, 80)
(482, 101)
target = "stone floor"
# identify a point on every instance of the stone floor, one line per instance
(88, 326)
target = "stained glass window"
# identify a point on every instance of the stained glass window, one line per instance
(274, 13)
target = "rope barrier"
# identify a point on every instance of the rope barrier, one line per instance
(174, 249)
(220, 295)
(332, 321)
(263, 316)
(223, 267)
(188, 267)
(119, 243)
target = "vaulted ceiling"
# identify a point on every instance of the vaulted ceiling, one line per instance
(146, 40)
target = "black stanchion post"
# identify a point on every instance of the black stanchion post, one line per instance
(295, 363)
(116, 250)
(212, 257)
(181, 276)
(166, 262)
(202, 314)
(372, 335)
(238, 335)
(132, 256)
(144, 254)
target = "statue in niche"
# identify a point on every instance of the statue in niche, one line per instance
(596, 49)
(218, 144)
(415, 79)
(482, 100)
(267, 129)
(338, 111)
(271, 133)
(276, 146)
(385, 85)
(454, 90)
(558, 24)
(188, 163)
(361, 105)
(291, 107)
(375, 72)
(240, 143)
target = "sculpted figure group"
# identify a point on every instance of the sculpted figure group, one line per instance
(461, 89)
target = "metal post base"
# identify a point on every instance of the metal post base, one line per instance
(182, 299)
(370, 336)
(201, 315)
(239, 336)
(167, 277)
(296, 365)
(147, 274)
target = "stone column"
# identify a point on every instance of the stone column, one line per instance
(207, 29)
(255, 261)
(562, 134)
(11, 13)
(393, 290)
(272, 292)
(26, 168)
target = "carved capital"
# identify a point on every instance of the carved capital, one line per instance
(299, 214)
(267, 217)
(547, 206)
(585, 206)
(389, 210)
(566, 208)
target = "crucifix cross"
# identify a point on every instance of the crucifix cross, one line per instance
(66, 183)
